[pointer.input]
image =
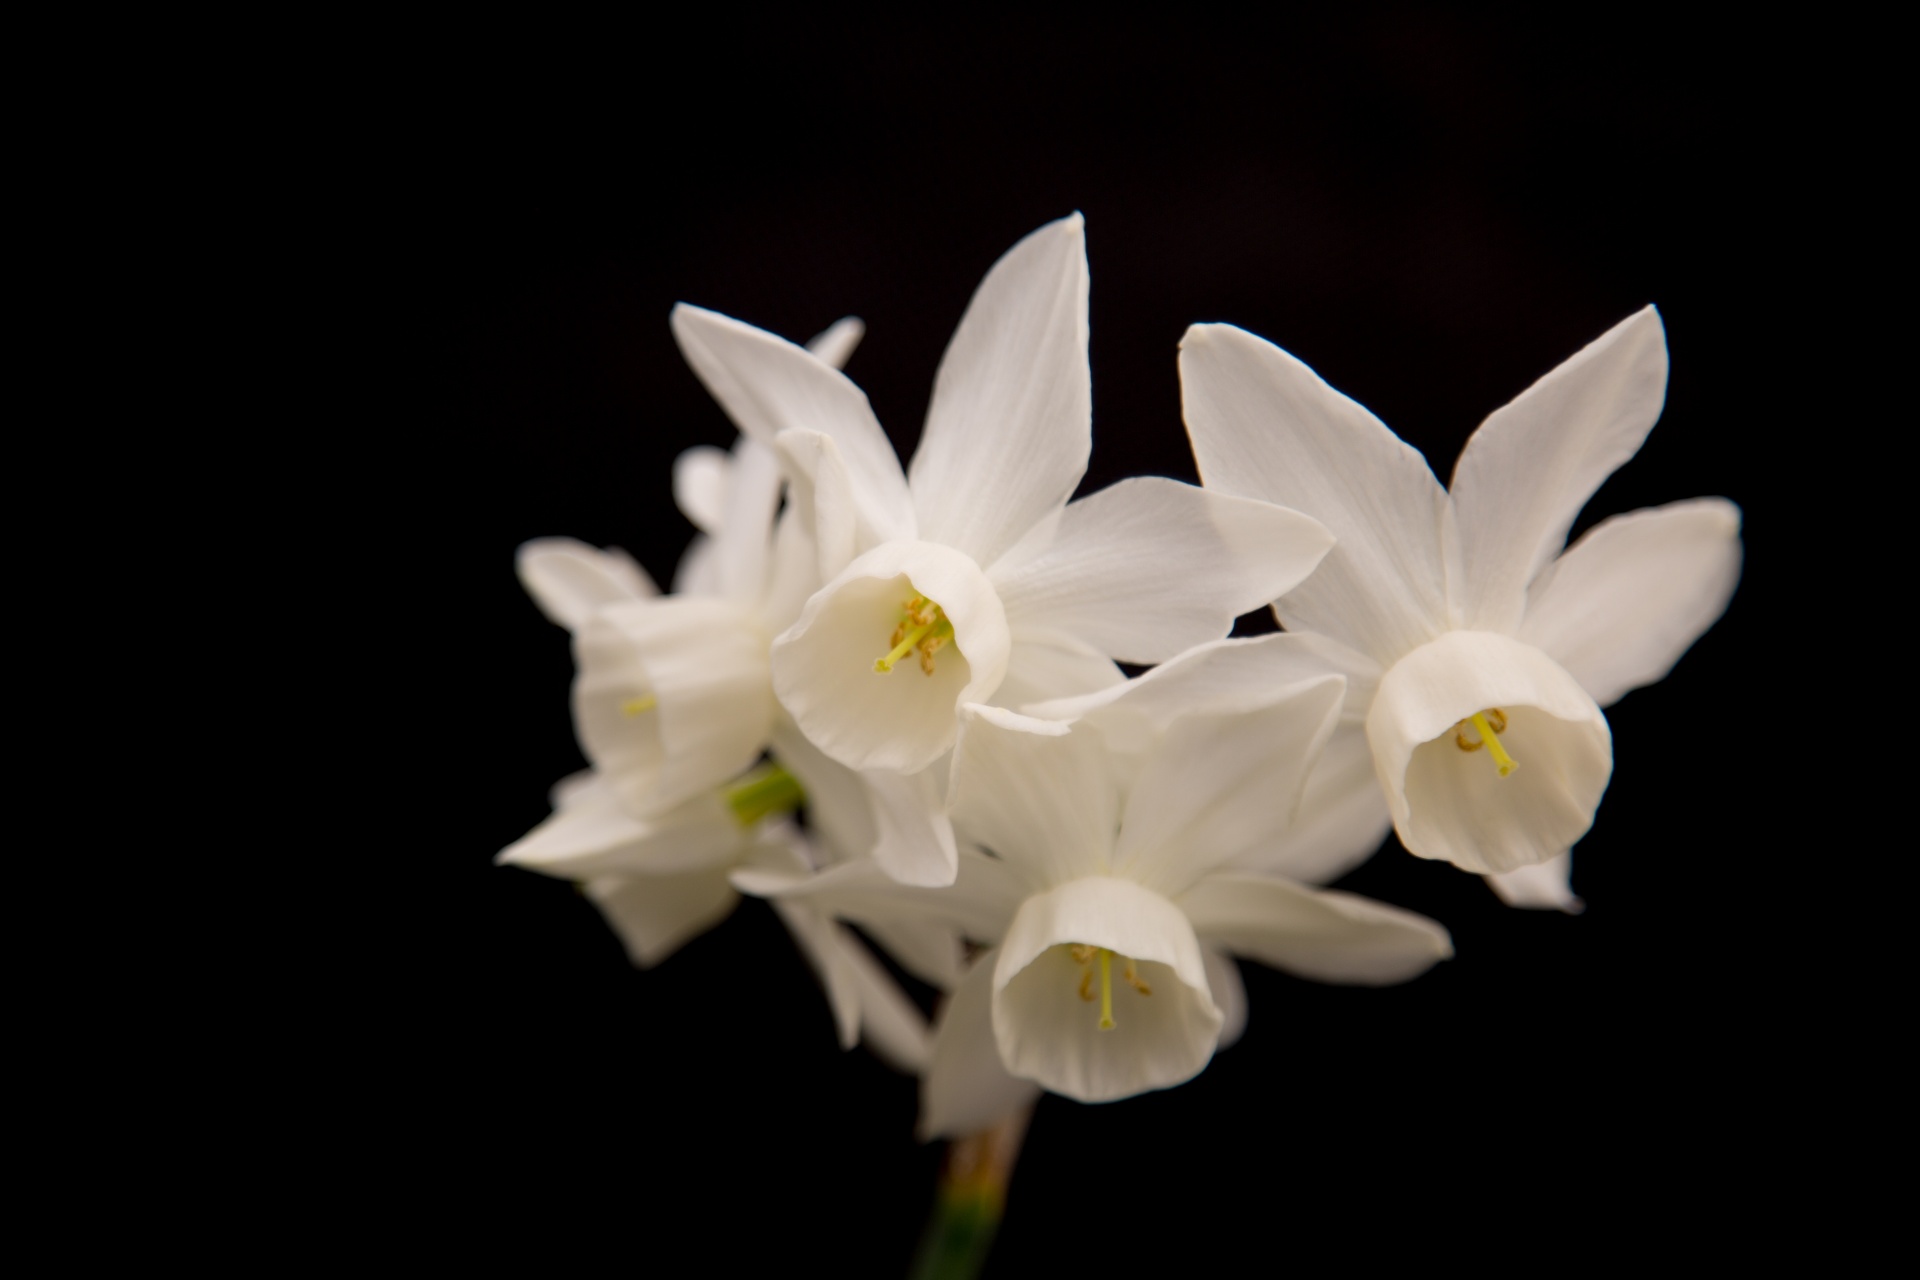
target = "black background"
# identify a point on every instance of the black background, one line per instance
(1430, 211)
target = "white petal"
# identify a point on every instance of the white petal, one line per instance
(654, 915)
(930, 952)
(1316, 933)
(1545, 886)
(743, 542)
(1045, 665)
(839, 809)
(834, 345)
(914, 838)
(1151, 567)
(1011, 422)
(698, 573)
(703, 663)
(822, 498)
(1621, 606)
(1216, 783)
(1341, 821)
(1265, 426)
(1229, 992)
(1050, 1034)
(979, 903)
(966, 1088)
(570, 580)
(1451, 803)
(1532, 465)
(820, 942)
(1045, 802)
(595, 835)
(890, 1025)
(701, 478)
(901, 720)
(767, 385)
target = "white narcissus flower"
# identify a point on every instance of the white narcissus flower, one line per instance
(674, 705)
(1112, 894)
(1478, 660)
(971, 578)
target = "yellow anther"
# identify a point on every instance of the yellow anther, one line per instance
(635, 706)
(1134, 980)
(1490, 724)
(1106, 989)
(923, 626)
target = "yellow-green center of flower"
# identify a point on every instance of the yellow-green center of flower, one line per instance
(923, 626)
(761, 792)
(1489, 724)
(1085, 955)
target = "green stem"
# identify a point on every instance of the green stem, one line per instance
(970, 1202)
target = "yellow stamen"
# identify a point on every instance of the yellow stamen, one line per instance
(1488, 738)
(923, 626)
(1134, 980)
(903, 648)
(1106, 989)
(636, 706)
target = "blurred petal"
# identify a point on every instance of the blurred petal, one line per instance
(570, 580)
(1545, 886)
(966, 1088)
(1315, 933)
(593, 834)
(822, 498)
(914, 838)
(744, 540)
(655, 915)
(700, 482)
(1229, 993)
(834, 345)
(1011, 422)
(930, 952)
(890, 1025)
(1150, 567)
(823, 944)
(1265, 426)
(1532, 465)
(1621, 606)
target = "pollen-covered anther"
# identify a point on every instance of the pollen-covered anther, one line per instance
(1489, 724)
(923, 626)
(1084, 955)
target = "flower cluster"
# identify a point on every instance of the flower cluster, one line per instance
(890, 698)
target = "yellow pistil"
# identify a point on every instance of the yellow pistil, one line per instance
(1106, 989)
(636, 706)
(1490, 724)
(923, 626)
(761, 792)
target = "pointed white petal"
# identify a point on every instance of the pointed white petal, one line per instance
(1151, 567)
(1011, 422)
(1265, 426)
(839, 809)
(1545, 886)
(1046, 665)
(1039, 796)
(1217, 783)
(913, 836)
(595, 835)
(701, 478)
(900, 720)
(1341, 821)
(570, 580)
(967, 1088)
(822, 498)
(745, 540)
(825, 944)
(673, 698)
(890, 1025)
(834, 345)
(1532, 465)
(1229, 993)
(1451, 803)
(655, 915)
(1050, 1033)
(979, 903)
(767, 385)
(1315, 933)
(1621, 606)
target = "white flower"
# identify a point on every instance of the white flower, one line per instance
(1479, 661)
(1116, 892)
(971, 579)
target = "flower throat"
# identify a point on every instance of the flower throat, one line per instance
(923, 626)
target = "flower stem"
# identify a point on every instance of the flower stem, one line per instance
(971, 1199)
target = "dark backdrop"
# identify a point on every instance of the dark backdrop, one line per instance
(1431, 212)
